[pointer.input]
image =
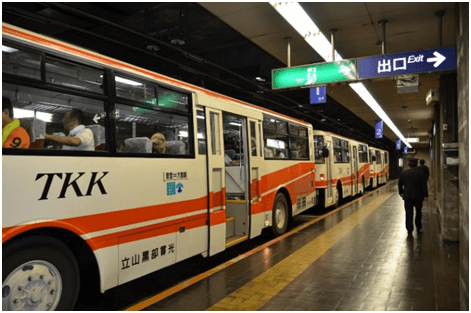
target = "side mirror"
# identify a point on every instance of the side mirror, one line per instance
(325, 152)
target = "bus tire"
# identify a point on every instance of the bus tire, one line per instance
(39, 273)
(363, 185)
(338, 196)
(280, 215)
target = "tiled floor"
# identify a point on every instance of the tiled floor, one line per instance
(359, 258)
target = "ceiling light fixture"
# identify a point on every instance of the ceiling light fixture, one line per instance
(177, 42)
(127, 81)
(302, 23)
(414, 139)
(8, 49)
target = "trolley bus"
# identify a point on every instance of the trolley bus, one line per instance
(342, 167)
(173, 171)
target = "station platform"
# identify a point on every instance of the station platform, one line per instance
(356, 257)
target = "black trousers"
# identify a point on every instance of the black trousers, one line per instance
(409, 206)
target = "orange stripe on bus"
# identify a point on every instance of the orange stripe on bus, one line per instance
(218, 217)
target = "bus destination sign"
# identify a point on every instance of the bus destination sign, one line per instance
(314, 74)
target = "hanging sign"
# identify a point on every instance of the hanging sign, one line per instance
(405, 150)
(429, 60)
(314, 74)
(398, 144)
(317, 95)
(379, 129)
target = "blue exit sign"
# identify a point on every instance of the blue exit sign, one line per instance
(317, 95)
(430, 60)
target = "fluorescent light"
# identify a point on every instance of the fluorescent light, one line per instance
(414, 139)
(273, 143)
(183, 133)
(127, 81)
(364, 94)
(302, 23)
(21, 113)
(260, 79)
(235, 124)
(8, 49)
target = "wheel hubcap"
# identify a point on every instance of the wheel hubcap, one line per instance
(280, 215)
(33, 286)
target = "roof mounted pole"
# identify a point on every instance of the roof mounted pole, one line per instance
(288, 41)
(332, 42)
(440, 15)
(383, 25)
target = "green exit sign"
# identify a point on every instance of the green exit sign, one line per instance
(314, 74)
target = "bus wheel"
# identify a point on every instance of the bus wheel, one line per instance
(280, 215)
(338, 196)
(39, 274)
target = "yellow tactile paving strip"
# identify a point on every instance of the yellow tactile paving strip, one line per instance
(254, 294)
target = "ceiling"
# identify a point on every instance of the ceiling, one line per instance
(226, 45)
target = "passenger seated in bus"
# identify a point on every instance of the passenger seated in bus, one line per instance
(279, 154)
(13, 135)
(158, 143)
(268, 153)
(79, 138)
(300, 154)
(227, 159)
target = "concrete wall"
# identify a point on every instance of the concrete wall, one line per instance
(448, 174)
(462, 52)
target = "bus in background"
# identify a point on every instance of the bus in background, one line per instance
(130, 171)
(379, 166)
(342, 167)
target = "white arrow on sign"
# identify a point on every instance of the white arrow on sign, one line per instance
(438, 59)
(345, 70)
(96, 118)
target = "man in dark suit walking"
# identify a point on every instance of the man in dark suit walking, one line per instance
(413, 189)
(424, 169)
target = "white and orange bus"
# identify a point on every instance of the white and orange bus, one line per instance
(342, 167)
(128, 205)
(379, 166)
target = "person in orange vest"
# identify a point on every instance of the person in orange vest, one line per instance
(13, 135)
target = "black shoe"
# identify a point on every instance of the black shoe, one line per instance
(420, 230)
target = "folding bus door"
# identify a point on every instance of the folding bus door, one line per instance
(257, 221)
(217, 190)
(328, 163)
(355, 171)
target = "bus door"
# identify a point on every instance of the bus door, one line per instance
(328, 168)
(216, 182)
(383, 172)
(355, 170)
(257, 219)
(237, 150)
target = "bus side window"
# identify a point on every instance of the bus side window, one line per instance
(142, 130)
(45, 112)
(201, 132)
(253, 143)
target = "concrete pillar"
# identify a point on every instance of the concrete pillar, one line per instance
(462, 51)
